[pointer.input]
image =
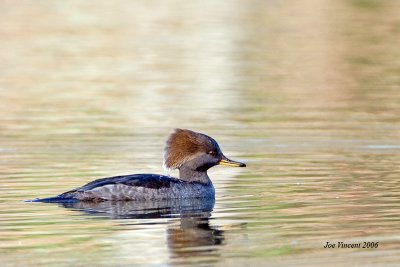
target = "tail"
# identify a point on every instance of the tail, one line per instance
(57, 199)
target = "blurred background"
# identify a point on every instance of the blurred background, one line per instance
(305, 92)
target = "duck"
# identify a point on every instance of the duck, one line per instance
(191, 153)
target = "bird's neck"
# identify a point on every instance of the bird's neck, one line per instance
(190, 175)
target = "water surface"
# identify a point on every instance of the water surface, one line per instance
(305, 92)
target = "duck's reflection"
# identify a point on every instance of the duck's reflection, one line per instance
(194, 236)
(191, 236)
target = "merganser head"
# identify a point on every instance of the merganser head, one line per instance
(195, 151)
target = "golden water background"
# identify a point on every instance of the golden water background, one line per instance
(307, 93)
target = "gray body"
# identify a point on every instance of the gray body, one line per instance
(144, 209)
(140, 187)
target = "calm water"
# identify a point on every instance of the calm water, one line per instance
(307, 93)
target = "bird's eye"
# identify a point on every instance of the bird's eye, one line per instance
(212, 152)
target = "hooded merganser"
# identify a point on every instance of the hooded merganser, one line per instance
(190, 152)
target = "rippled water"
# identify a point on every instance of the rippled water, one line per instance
(305, 92)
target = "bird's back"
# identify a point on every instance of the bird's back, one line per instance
(136, 187)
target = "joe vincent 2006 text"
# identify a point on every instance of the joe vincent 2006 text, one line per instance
(341, 244)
